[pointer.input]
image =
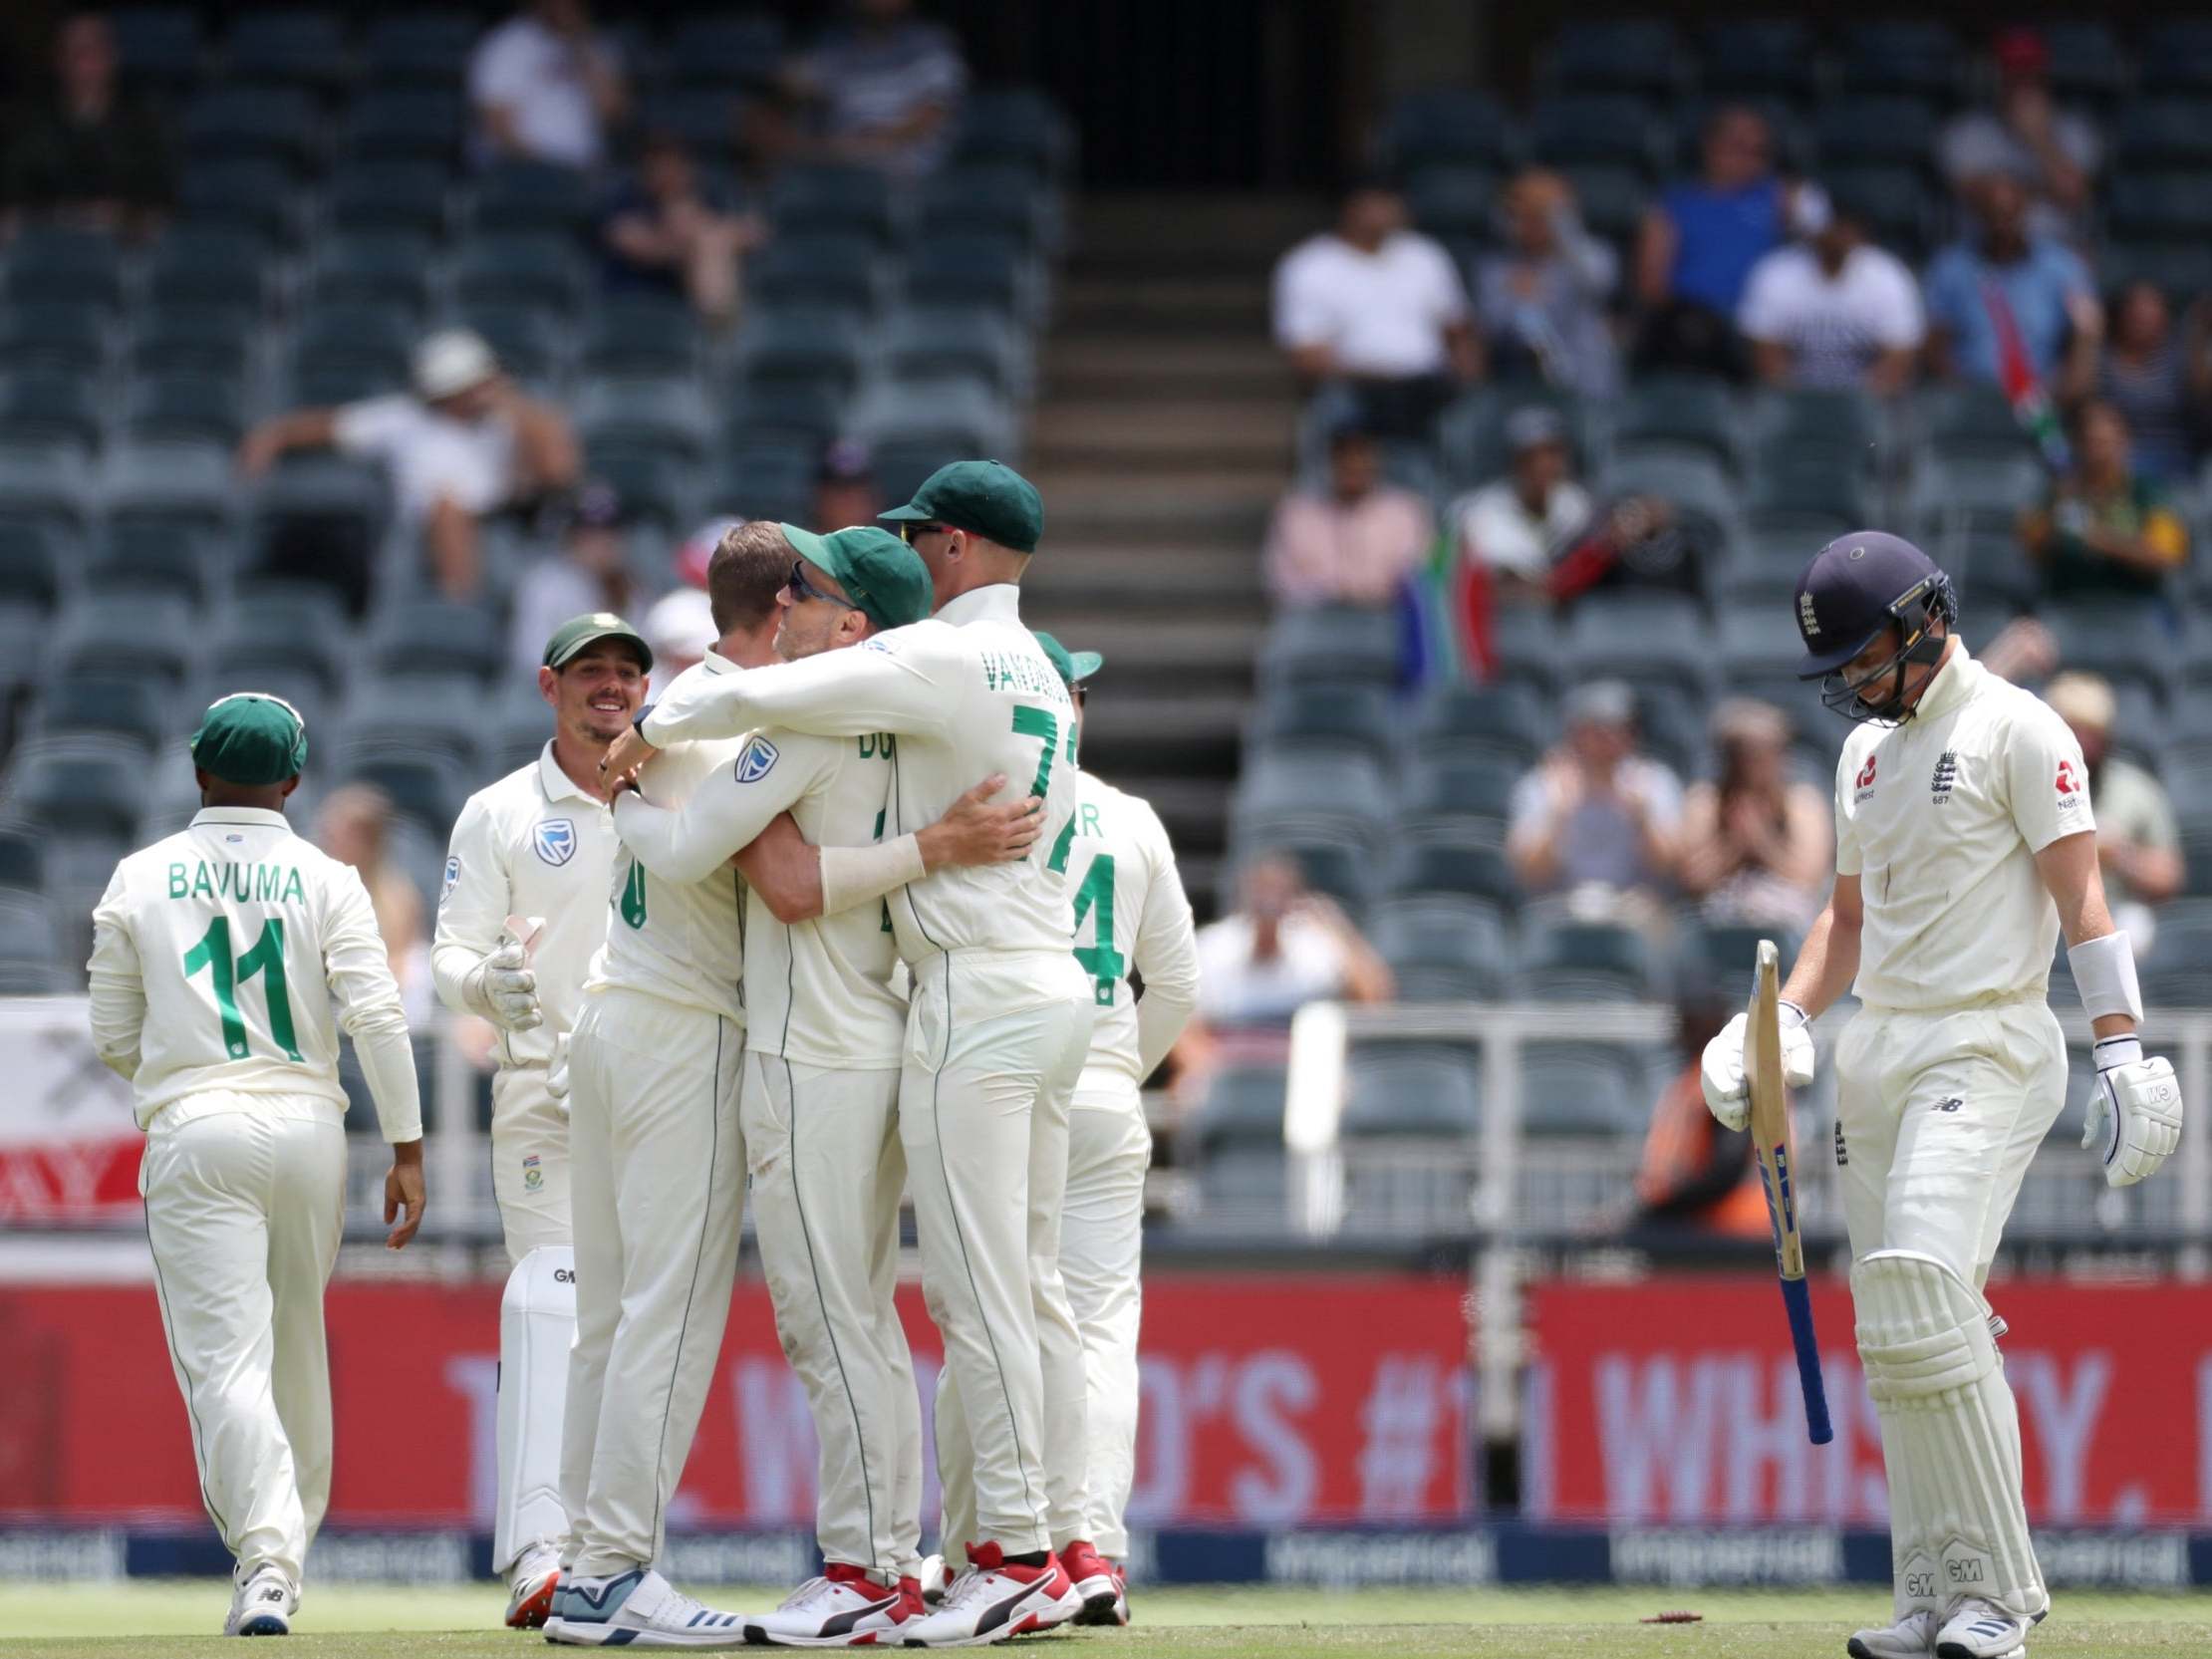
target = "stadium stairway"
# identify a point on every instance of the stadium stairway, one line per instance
(1162, 438)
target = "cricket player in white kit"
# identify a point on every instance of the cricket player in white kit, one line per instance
(1001, 1017)
(217, 956)
(538, 848)
(1130, 911)
(1965, 844)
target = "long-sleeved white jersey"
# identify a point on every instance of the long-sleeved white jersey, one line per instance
(1130, 912)
(965, 694)
(218, 956)
(536, 843)
(817, 992)
(683, 941)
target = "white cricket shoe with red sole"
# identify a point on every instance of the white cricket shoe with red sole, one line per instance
(996, 1600)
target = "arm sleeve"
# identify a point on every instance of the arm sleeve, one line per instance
(899, 682)
(2046, 779)
(117, 988)
(689, 843)
(1759, 314)
(359, 971)
(1846, 834)
(368, 427)
(1300, 304)
(854, 875)
(473, 908)
(1166, 954)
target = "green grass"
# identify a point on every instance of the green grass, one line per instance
(142, 1619)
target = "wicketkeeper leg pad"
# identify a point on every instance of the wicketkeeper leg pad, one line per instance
(537, 1328)
(1950, 1435)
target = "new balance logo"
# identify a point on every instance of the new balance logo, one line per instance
(1951, 1105)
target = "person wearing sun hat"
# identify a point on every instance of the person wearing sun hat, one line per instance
(218, 957)
(1130, 912)
(1000, 1014)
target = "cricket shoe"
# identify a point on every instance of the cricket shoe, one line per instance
(996, 1601)
(638, 1609)
(934, 1577)
(530, 1586)
(1093, 1577)
(1911, 1637)
(1979, 1629)
(1114, 1612)
(842, 1608)
(263, 1606)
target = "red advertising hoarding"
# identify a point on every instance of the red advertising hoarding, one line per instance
(1675, 1401)
(1269, 1400)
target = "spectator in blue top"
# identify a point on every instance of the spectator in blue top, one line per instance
(2003, 299)
(1699, 240)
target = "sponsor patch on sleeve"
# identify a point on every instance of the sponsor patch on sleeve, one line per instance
(757, 761)
(453, 877)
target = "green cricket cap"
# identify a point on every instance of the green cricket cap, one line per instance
(987, 497)
(578, 632)
(884, 578)
(1075, 666)
(250, 738)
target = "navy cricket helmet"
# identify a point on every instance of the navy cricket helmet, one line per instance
(1855, 589)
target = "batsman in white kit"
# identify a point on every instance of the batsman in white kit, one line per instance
(1130, 912)
(1000, 1020)
(522, 911)
(219, 955)
(1965, 844)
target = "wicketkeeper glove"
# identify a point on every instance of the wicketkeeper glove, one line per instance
(1721, 1071)
(504, 989)
(2135, 1114)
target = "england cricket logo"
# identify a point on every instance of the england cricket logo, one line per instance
(1946, 774)
(555, 840)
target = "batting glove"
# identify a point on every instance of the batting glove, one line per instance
(556, 1075)
(504, 991)
(2134, 1115)
(1721, 1071)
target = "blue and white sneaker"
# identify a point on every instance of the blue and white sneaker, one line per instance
(638, 1609)
(263, 1606)
(1979, 1629)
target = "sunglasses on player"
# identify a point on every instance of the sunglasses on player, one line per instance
(801, 588)
(911, 528)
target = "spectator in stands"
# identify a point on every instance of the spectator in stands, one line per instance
(1354, 542)
(2007, 306)
(845, 486)
(1376, 311)
(546, 87)
(1511, 530)
(591, 572)
(2156, 380)
(2052, 152)
(2138, 839)
(1755, 844)
(679, 627)
(1284, 946)
(354, 827)
(1699, 242)
(1594, 814)
(1541, 302)
(464, 444)
(886, 87)
(667, 231)
(1833, 311)
(89, 154)
(2104, 528)
(1694, 1177)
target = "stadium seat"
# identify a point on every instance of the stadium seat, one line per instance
(801, 407)
(2134, 639)
(1625, 55)
(79, 267)
(1633, 635)
(30, 949)
(668, 411)
(1718, 957)
(1339, 643)
(1808, 485)
(969, 269)
(1425, 1094)
(834, 202)
(708, 118)
(1917, 56)
(288, 629)
(49, 406)
(1691, 411)
(2158, 133)
(1328, 784)
(654, 485)
(1973, 493)
(1446, 126)
(319, 518)
(2171, 207)
(1450, 862)
(249, 195)
(290, 44)
(1292, 711)
(531, 196)
(987, 200)
(731, 48)
(372, 339)
(229, 123)
(1769, 57)
(1901, 210)
(155, 553)
(1511, 715)
(932, 342)
(963, 413)
(421, 703)
(528, 340)
(401, 195)
(32, 556)
(2181, 270)
(816, 270)
(435, 637)
(375, 268)
(1595, 127)
(1970, 419)
(643, 334)
(1338, 863)
(801, 346)
(1015, 126)
(65, 338)
(155, 630)
(157, 46)
(46, 482)
(22, 860)
(1589, 961)
(516, 268)
(426, 47)
(426, 788)
(1573, 1088)
(195, 265)
(1883, 128)
(212, 341)
(1612, 196)
(901, 464)
(1439, 932)
(1450, 790)
(1453, 203)
(2175, 55)
(96, 705)
(2086, 63)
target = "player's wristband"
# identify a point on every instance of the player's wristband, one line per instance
(1787, 1007)
(2104, 974)
(854, 875)
(2118, 1051)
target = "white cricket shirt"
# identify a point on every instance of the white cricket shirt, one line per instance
(1130, 912)
(818, 991)
(1940, 818)
(219, 955)
(536, 843)
(680, 940)
(966, 693)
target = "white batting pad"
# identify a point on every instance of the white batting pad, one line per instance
(1950, 1437)
(537, 1328)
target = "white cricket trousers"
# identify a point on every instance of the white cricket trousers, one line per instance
(984, 1115)
(658, 1191)
(530, 1180)
(244, 1204)
(1941, 1114)
(529, 1162)
(1109, 1149)
(827, 1171)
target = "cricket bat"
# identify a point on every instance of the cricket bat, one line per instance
(1769, 1127)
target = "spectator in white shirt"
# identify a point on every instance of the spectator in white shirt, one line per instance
(1380, 309)
(546, 88)
(1594, 816)
(463, 444)
(1513, 527)
(1833, 311)
(887, 86)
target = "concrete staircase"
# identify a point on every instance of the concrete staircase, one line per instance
(1161, 436)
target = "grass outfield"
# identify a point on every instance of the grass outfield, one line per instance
(142, 1620)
